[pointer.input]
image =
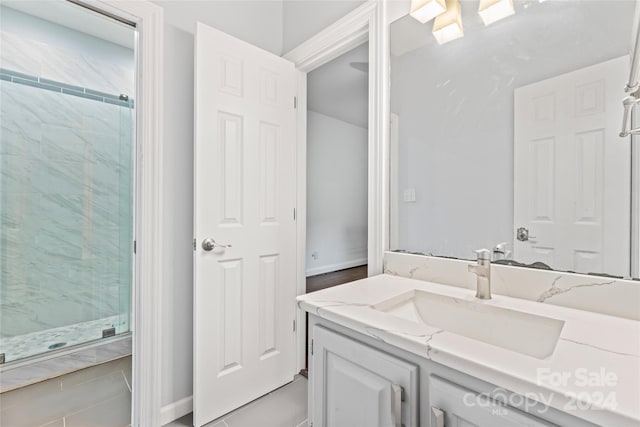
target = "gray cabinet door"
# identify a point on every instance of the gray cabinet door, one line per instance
(354, 385)
(455, 406)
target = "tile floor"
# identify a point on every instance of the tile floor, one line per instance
(92, 397)
(284, 407)
(91, 355)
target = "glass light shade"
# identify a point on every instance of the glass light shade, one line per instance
(448, 26)
(494, 10)
(426, 10)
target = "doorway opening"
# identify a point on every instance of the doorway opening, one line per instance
(337, 170)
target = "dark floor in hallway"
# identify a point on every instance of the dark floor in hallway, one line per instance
(327, 280)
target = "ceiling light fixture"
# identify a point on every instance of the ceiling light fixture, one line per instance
(448, 26)
(426, 10)
(494, 10)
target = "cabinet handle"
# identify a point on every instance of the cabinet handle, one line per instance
(437, 417)
(396, 404)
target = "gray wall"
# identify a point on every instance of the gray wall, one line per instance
(336, 194)
(455, 107)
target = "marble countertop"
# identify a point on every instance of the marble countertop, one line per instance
(593, 373)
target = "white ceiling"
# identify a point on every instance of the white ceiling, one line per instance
(77, 18)
(340, 90)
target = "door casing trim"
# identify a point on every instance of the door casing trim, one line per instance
(366, 23)
(147, 289)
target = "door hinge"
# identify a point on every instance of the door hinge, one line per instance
(294, 325)
(294, 214)
(134, 246)
(295, 102)
(312, 347)
(194, 243)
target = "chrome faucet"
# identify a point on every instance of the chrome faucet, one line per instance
(500, 252)
(483, 270)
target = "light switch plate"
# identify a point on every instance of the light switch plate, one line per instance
(409, 195)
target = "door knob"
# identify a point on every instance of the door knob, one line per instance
(209, 244)
(522, 234)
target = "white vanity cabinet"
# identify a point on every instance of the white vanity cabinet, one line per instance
(358, 381)
(454, 405)
(355, 385)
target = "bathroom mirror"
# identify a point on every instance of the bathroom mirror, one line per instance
(508, 137)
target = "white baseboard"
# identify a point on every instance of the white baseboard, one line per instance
(175, 410)
(335, 267)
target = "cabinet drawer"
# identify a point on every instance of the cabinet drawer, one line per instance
(455, 406)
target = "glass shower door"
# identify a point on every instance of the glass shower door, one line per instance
(66, 215)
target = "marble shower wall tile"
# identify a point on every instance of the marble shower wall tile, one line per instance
(615, 297)
(20, 135)
(48, 61)
(65, 188)
(20, 54)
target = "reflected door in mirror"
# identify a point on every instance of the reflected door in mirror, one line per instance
(572, 171)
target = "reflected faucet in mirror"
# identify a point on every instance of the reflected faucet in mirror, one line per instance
(500, 251)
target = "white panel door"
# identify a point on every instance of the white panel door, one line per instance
(244, 295)
(572, 171)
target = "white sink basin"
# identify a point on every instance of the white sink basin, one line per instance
(524, 333)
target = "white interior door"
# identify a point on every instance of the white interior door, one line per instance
(244, 295)
(572, 172)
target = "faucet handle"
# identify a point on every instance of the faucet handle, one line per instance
(483, 254)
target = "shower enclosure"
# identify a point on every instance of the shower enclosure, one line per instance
(66, 192)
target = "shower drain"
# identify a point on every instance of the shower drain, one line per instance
(57, 345)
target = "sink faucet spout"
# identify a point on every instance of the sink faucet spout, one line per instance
(483, 272)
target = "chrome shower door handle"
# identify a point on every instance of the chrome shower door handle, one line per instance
(209, 244)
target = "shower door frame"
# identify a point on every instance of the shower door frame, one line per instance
(147, 283)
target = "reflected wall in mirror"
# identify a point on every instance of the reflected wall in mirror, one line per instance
(507, 138)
